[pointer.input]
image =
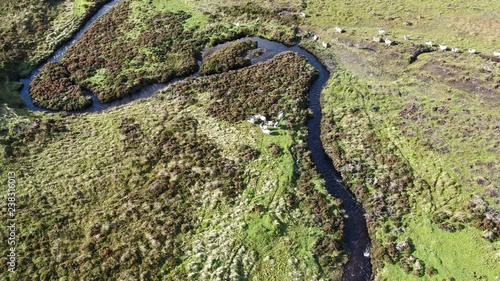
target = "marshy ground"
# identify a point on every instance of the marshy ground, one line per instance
(181, 186)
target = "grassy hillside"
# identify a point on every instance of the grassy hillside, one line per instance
(412, 129)
(414, 132)
(30, 32)
(167, 188)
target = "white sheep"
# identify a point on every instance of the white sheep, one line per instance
(429, 43)
(315, 37)
(251, 120)
(266, 131)
(237, 24)
(263, 127)
(325, 45)
(455, 50)
(472, 51)
(496, 53)
(443, 47)
(376, 39)
(406, 37)
(339, 29)
(280, 115)
(270, 123)
(276, 124)
(388, 41)
(381, 31)
(302, 15)
(262, 118)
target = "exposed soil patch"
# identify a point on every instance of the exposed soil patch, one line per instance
(472, 79)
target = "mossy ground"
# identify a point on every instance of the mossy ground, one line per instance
(434, 120)
(164, 189)
(435, 186)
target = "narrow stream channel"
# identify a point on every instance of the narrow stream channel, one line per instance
(356, 237)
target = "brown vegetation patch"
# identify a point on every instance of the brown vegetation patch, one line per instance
(228, 57)
(53, 89)
(267, 88)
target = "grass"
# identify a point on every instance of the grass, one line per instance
(430, 140)
(124, 204)
(197, 17)
(437, 144)
(444, 253)
(464, 25)
(424, 135)
(80, 7)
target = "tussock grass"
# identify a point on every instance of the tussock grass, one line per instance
(424, 126)
(163, 189)
(416, 131)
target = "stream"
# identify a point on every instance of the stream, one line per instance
(358, 266)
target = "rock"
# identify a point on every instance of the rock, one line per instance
(488, 235)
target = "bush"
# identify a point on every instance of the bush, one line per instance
(228, 57)
(53, 89)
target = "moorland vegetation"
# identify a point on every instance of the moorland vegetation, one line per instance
(30, 32)
(169, 188)
(136, 45)
(228, 57)
(413, 130)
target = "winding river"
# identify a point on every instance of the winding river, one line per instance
(358, 266)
